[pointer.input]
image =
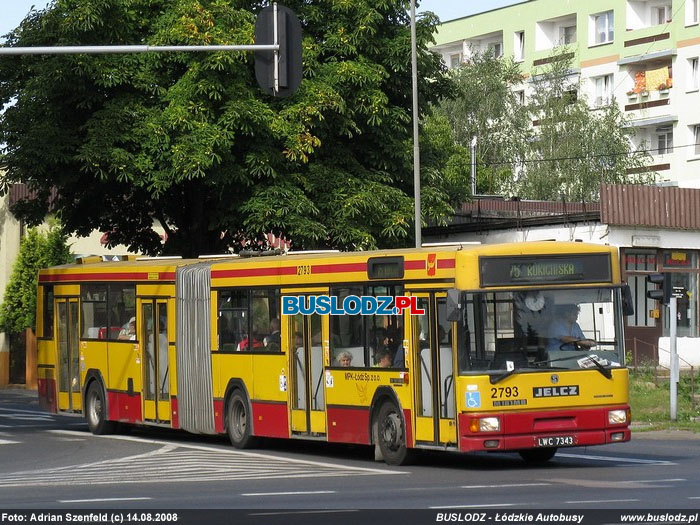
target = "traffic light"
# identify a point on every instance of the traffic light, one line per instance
(663, 291)
(289, 34)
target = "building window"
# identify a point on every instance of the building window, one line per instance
(455, 60)
(691, 13)
(662, 14)
(696, 135)
(496, 48)
(693, 80)
(519, 45)
(640, 261)
(568, 35)
(520, 98)
(603, 25)
(664, 138)
(603, 90)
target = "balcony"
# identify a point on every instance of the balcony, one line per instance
(649, 85)
(642, 14)
(555, 32)
(492, 42)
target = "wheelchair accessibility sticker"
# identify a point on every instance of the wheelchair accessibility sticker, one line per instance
(473, 399)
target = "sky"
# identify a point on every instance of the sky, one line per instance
(13, 11)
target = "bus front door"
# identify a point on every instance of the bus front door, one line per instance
(307, 389)
(68, 354)
(433, 372)
(154, 363)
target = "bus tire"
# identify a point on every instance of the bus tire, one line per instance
(238, 421)
(538, 455)
(391, 435)
(96, 411)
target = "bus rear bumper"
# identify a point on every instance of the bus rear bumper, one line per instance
(560, 428)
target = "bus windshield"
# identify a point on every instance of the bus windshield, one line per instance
(535, 329)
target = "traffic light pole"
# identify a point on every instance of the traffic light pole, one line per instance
(285, 49)
(673, 313)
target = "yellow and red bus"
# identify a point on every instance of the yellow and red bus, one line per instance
(484, 367)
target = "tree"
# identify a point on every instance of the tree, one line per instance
(37, 250)
(190, 141)
(575, 149)
(485, 106)
(551, 147)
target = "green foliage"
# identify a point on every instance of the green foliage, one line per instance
(650, 400)
(190, 141)
(486, 107)
(575, 149)
(37, 250)
(569, 151)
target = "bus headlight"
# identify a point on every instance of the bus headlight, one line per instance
(617, 417)
(485, 424)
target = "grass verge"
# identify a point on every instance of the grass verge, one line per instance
(651, 406)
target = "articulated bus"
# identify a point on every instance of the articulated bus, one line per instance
(472, 354)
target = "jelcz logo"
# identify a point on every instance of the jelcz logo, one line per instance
(555, 391)
(350, 305)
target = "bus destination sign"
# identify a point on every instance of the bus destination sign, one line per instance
(581, 268)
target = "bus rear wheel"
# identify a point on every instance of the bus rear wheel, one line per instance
(391, 435)
(95, 411)
(538, 455)
(238, 424)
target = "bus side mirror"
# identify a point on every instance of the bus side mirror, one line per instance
(453, 306)
(627, 300)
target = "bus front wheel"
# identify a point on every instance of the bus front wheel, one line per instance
(95, 411)
(391, 435)
(238, 424)
(538, 455)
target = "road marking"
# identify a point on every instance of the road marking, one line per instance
(505, 485)
(99, 499)
(617, 459)
(180, 463)
(289, 493)
(693, 497)
(603, 501)
(474, 506)
(654, 480)
(230, 451)
(8, 442)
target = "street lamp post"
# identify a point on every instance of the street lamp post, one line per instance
(416, 148)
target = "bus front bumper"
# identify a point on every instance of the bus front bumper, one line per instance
(544, 429)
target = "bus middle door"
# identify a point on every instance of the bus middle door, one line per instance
(154, 362)
(307, 388)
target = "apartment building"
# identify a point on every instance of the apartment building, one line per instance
(641, 54)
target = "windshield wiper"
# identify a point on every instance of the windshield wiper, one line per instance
(493, 379)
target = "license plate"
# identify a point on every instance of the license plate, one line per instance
(558, 441)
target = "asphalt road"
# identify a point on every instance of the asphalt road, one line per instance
(53, 462)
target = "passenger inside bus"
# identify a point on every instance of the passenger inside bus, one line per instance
(129, 332)
(345, 359)
(383, 358)
(272, 342)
